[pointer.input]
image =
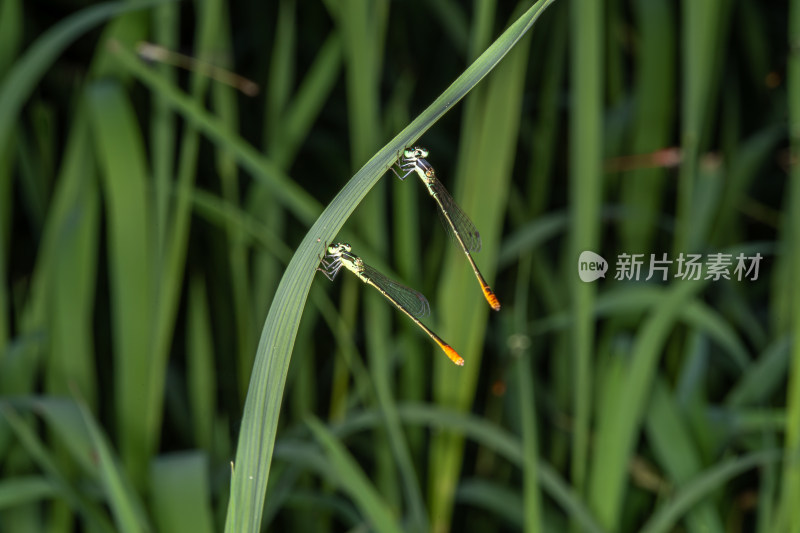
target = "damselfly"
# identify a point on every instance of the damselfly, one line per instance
(409, 301)
(457, 223)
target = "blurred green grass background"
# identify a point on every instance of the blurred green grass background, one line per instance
(169, 361)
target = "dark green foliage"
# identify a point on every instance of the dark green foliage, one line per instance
(153, 220)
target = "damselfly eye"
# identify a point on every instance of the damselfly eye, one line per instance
(409, 153)
(420, 152)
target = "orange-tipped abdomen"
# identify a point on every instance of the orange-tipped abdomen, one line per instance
(453, 355)
(491, 298)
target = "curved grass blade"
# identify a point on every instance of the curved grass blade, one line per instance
(128, 511)
(25, 490)
(619, 426)
(124, 175)
(27, 71)
(296, 199)
(716, 477)
(74, 425)
(262, 408)
(352, 479)
(503, 501)
(479, 430)
(43, 457)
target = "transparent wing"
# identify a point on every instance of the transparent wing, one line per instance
(413, 301)
(463, 225)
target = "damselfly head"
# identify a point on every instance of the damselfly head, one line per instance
(339, 248)
(417, 152)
